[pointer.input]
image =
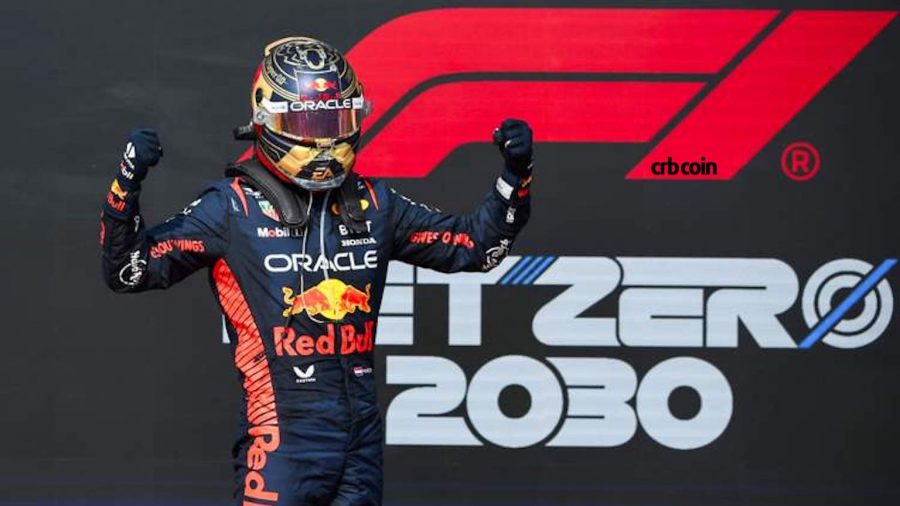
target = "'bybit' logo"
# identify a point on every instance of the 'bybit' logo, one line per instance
(688, 83)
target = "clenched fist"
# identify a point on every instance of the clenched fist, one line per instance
(142, 152)
(514, 137)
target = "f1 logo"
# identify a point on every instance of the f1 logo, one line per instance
(692, 83)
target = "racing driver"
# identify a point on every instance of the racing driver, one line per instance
(297, 246)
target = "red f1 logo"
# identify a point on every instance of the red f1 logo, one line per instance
(613, 75)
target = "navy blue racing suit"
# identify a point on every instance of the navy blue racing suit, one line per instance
(310, 428)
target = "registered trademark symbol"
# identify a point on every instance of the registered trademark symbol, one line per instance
(800, 161)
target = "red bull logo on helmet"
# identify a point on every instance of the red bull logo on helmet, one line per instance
(321, 84)
(332, 298)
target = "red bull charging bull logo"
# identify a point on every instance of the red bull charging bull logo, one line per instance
(332, 298)
(320, 84)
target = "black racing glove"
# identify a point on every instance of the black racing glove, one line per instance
(142, 152)
(514, 139)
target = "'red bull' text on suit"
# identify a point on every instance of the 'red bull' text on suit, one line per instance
(310, 428)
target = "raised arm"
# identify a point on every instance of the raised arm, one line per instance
(479, 240)
(135, 258)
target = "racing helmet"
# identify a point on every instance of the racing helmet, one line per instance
(308, 106)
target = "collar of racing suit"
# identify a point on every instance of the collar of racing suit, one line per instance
(291, 201)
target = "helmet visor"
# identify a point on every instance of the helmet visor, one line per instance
(309, 120)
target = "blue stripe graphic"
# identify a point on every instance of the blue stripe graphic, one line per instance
(526, 271)
(515, 270)
(540, 270)
(834, 317)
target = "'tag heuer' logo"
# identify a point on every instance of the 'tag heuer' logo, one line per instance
(767, 64)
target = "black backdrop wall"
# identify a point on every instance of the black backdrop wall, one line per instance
(642, 281)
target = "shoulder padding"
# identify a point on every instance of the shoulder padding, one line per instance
(290, 204)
